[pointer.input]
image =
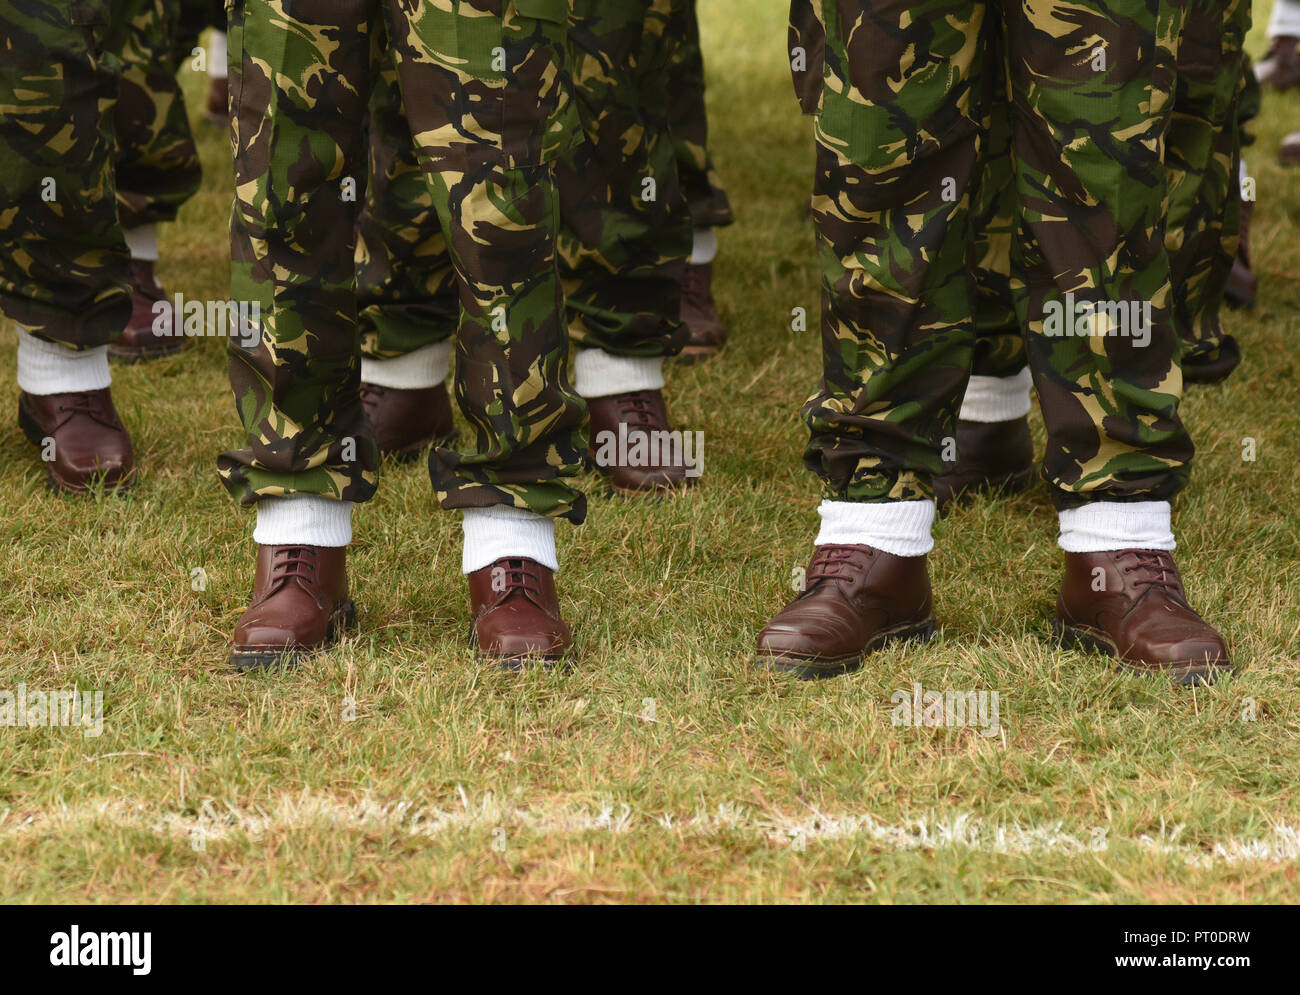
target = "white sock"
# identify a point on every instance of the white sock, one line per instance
(704, 248)
(499, 531)
(217, 55)
(598, 374)
(142, 240)
(303, 520)
(1105, 526)
(425, 367)
(993, 399)
(1285, 19)
(898, 527)
(50, 368)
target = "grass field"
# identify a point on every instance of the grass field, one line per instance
(664, 768)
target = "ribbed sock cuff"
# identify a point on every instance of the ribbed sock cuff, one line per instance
(704, 247)
(420, 369)
(142, 241)
(994, 399)
(898, 527)
(217, 55)
(499, 531)
(303, 520)
(1105, 526)
(597, 373)
(50, 368)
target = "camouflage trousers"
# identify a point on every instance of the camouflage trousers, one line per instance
(158, 166)
(905, 119)
(626, 224)
(493, 112)
(63, 259)
(1214, 98)
(688, 122)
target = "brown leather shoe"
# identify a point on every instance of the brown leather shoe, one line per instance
(1280, 67)
(624, 431)
(81, 438)
(517, 614)
(406, 422)
(1288, 154)
(700, 314)
(856, 599)
(300, 606)
(1242, 285)
(1130, 604)
(139, 341)
(217, 109)
(992, 458)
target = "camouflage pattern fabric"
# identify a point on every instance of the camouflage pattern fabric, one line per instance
(158, 166)
(63, 259)
(626, 227)
(1203, 156)
(904, 115)
(688, 123)
(494, 110)
(622, 255)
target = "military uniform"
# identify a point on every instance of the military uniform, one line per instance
(64, 276)
(157, 165)
(898, 172)
(487, 151)
(623, 242)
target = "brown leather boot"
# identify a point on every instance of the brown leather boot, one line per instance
(1130, 604)
(992, 458)
(517, 614)
(139, 341)
(1288, 154)
(1242, 285)
(217, 109)
(300, 606)
(624, 431)
(406, 422)
(1280, 67)
(81, 439)
(700, 314)
(856, 599)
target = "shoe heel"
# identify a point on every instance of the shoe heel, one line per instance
(29, 426)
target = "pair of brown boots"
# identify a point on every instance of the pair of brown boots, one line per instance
(301, 602)
(1128, 604)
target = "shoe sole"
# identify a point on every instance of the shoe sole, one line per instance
(246, 658)
(811, 669)
(130, 357)
(550, 660)
(36, 436)
(1186, 673)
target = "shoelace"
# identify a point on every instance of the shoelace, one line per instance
(827, 563)
(638, 410)
(517, 576)
(88, 405)
(293, 563)
(1153, 568)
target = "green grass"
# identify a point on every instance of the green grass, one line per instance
(458, 783)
